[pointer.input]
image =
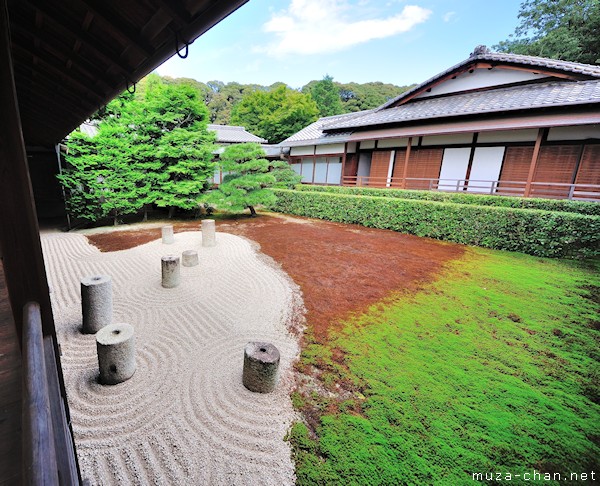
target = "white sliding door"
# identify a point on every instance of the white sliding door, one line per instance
(487, 162)
(454, 168)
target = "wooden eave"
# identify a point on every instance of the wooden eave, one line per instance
(71, 58)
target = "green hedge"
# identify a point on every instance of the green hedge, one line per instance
(540, 233)
(563, 205)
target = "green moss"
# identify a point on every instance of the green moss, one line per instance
(494, 367)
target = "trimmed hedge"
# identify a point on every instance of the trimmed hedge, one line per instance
(536, 232)
(563, 205)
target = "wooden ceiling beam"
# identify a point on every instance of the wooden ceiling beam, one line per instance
(175, 11)
(110, 58)
(59, 71)
(112, 19)
(58, 50)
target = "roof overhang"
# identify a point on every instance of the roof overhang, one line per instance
(575, 118)
(71, 58)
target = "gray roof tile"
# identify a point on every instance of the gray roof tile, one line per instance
(313, 133)
(530, 96)
(232, 134)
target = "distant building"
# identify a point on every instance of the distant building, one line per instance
(495, 123)
(229, 135)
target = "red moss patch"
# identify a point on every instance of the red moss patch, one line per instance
(340, 268)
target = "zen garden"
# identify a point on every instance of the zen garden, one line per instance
(277, 312)
(469, 348)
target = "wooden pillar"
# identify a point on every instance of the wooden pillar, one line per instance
(542, 133)
(406, 159)
(20, 245)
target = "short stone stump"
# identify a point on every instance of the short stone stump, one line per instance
(209, 237)
(261, 367)
(171, 274)
(189, 258)
(96, 302)
(115, 345)
(167, 235)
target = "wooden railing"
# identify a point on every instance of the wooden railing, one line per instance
(48, 452)
(551, 190)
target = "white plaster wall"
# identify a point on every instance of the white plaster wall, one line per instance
(508, 136)
(459, 138)
(392, 142)
(334, 148)
(481, 78)
(304, 150)
(367, 144)
(351, 147)
(574, 133)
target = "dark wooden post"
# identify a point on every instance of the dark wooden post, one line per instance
(20, 245)
(534, 158)
(406, 159)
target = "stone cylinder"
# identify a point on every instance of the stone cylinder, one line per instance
(115, 345)
(171, 275)
(189, 258)
(208, 232)
(261, 367)
(167, 235)
(96, 302)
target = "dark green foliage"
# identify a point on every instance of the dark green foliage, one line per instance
(563, 205)
(151, 148)
(220, 98)
(559, 29)
(275, 115)
(488, 369)
(102, 181)
(536, 232)
(327, 96)
(249, 178)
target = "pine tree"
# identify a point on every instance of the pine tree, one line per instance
(250, 177)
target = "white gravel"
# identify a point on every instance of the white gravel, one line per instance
(184, 417)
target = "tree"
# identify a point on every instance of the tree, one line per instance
(327, 97)
(172, 125)
(249, 178)
(151, 148)
(559, 29)
(100, 180)
(275, 115)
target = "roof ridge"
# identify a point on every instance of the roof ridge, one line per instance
(483, 53)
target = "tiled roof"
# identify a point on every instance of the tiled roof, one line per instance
(232, 134)
(481, 53)
(530, 96)
(313, 133)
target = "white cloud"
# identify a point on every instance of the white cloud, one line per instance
(321, 26)
(448, 16)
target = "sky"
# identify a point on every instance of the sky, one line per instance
(295, 41)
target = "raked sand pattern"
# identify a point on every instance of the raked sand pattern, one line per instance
(184, 417)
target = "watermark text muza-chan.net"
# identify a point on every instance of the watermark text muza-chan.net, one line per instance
(534, 476)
